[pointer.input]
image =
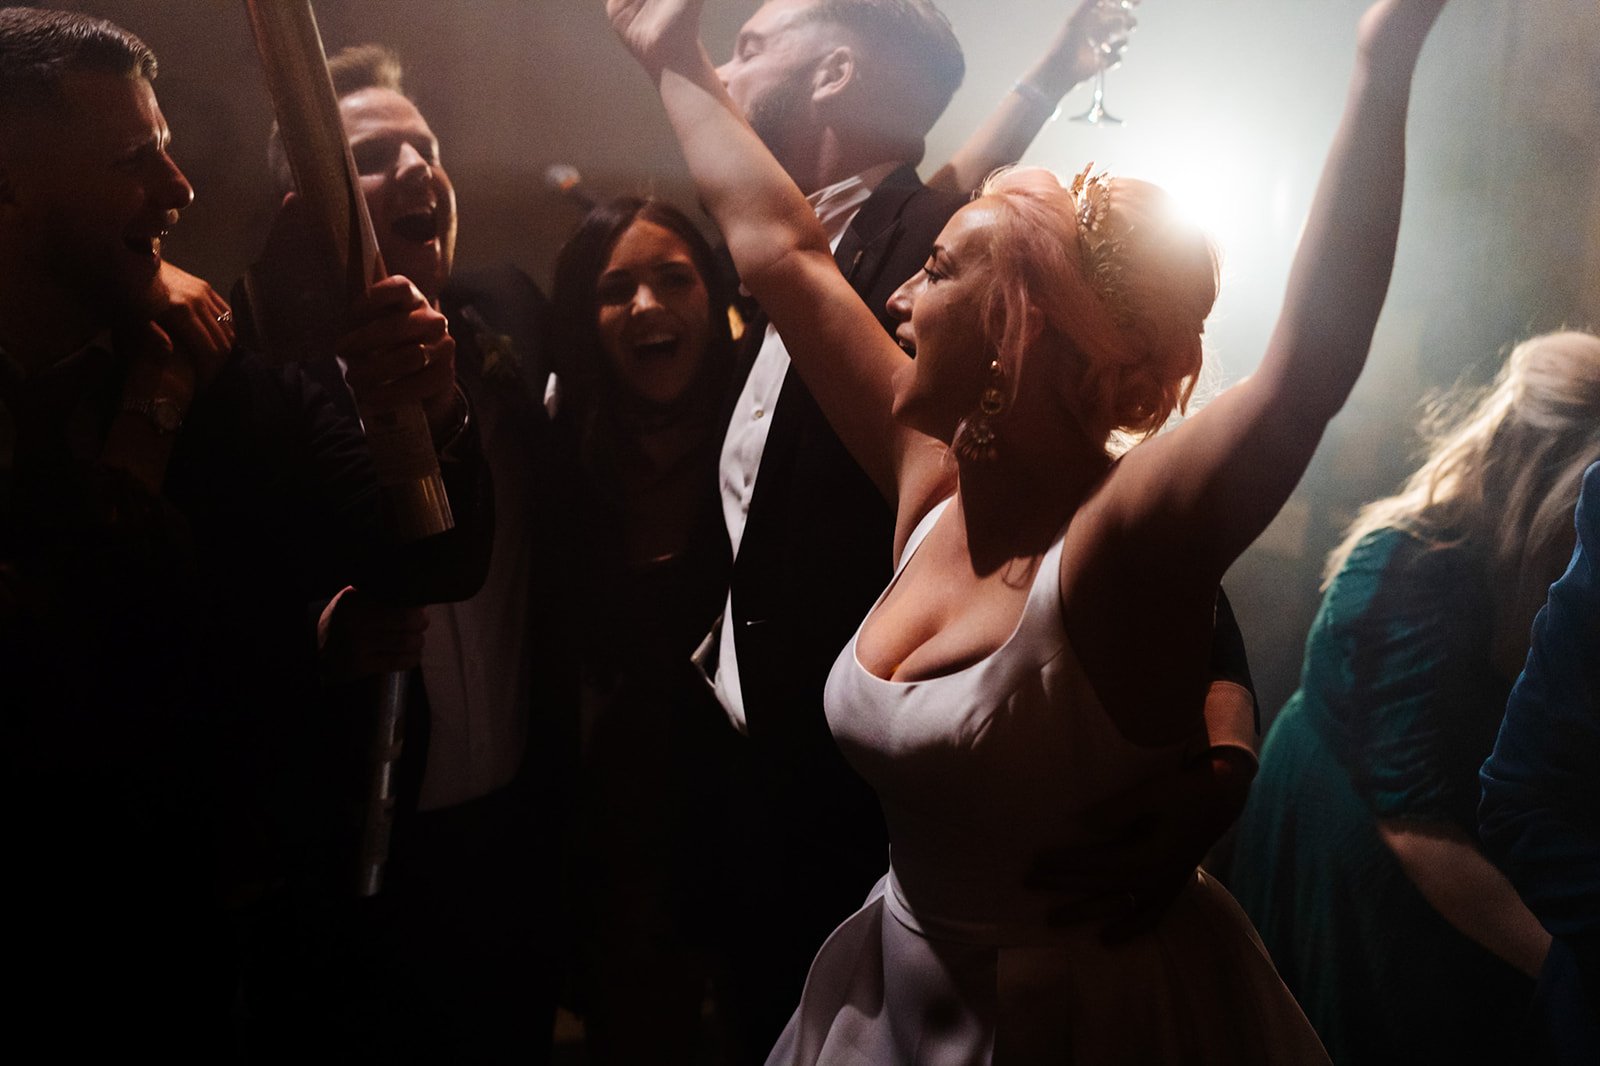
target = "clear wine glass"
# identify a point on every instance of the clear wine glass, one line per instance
(1110, 48)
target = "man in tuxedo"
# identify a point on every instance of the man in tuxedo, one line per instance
(843, 93)
(455, 959)
(164, 519)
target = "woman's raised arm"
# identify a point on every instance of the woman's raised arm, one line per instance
(1204, 491)
(777, 244)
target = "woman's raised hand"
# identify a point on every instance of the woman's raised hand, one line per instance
(1396, 28)
(657, 32)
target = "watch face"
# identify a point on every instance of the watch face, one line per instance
(165, 414)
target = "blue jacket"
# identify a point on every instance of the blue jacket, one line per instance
(1540, 815)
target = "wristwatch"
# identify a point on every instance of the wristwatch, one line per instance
(164, 413)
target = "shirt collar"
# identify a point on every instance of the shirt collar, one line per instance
(837, 204)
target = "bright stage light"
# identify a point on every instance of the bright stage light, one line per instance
(1248, 193)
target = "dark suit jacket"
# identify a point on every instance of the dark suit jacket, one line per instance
(158, 676)
(469, 890)
(817, 542)
(1541, 790)
(816, 552)
(497, 319)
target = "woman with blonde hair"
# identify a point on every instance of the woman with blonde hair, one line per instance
(1358, 854)
(1042, 648)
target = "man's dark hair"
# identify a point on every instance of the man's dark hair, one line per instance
(365, 66)
(39, 48)
(923, 61)
(358, 67)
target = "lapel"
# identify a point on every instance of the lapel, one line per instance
(862, 253)
(870, 242)
(489, 360)
(748, 345)
(864, 250)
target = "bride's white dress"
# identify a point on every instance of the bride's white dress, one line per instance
(952, 958)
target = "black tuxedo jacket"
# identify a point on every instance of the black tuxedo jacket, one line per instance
(497, 317)
(159, 685)
(816, 552)
(817, 543)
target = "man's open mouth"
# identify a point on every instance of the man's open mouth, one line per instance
(145, 244)
(419, 226)
(662, 346)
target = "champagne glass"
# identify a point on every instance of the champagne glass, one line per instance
(1108, 39)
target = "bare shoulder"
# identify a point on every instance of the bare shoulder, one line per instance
(927, 478)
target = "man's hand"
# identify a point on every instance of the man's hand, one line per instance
(177, 352)
(196, 318)
(1159, 832)
(400, 352)
(1095, 36)
(358, 637)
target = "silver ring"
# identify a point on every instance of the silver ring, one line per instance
(224, 318)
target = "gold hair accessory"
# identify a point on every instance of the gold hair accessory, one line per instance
(1100, 252)
(975, 438)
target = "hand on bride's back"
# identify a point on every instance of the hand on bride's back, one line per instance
(1156, 834)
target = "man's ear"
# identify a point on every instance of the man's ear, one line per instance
(835, 73)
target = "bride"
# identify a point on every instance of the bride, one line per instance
(1043, 645)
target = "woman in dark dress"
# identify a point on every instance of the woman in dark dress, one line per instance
(643, 344)
(1358, 854)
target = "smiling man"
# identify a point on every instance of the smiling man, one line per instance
(407, 189)
(458, 955)
(843, 93)
(155, 504)
(103, 203)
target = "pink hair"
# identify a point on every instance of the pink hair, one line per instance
(1129, 362)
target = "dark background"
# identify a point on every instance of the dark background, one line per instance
(1230, 103)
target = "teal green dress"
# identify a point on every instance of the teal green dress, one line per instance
(1397, 708)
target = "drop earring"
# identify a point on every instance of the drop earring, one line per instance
(975, 438)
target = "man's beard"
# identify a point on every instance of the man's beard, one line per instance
(775, 115)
